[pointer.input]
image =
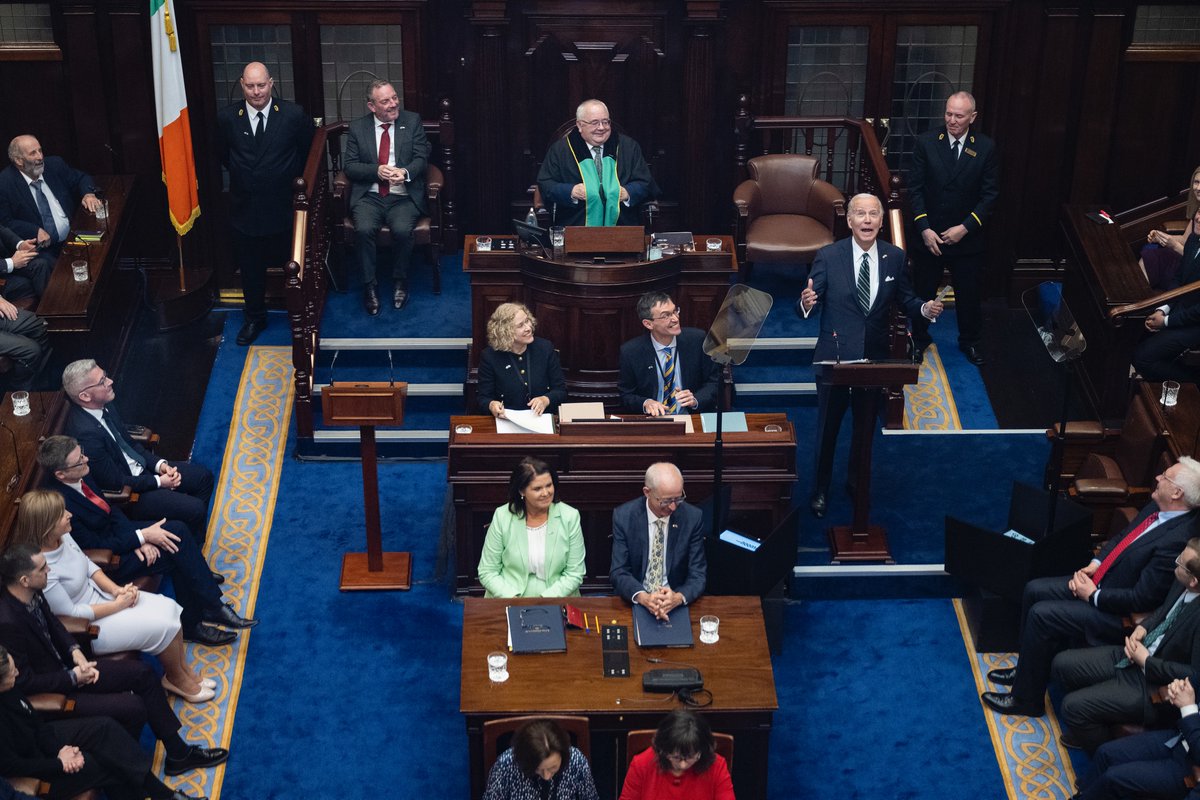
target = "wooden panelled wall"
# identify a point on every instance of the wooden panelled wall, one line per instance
(1078, 118)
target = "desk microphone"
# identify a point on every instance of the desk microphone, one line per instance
(391, 370)
(333, 361)
(15, 479)
(912, 346)
(837, 350)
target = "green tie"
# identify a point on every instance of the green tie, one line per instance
(1159, 630)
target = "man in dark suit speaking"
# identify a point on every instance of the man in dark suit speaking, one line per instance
(263, 143)
(952, 186)
(386, 154)
(658, 545)
(856, 281)
(666, 372)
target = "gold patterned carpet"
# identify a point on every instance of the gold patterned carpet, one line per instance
(239, 525)
(1033, 764)
(929, 403)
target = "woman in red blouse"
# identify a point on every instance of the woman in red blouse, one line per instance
(681, 764)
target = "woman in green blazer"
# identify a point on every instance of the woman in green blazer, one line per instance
(534, 545)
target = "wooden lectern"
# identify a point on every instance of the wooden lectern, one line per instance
(861, 541)
(367, 405)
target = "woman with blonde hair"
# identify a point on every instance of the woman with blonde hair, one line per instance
(1160, 257)
(518, 370)
(127, 619)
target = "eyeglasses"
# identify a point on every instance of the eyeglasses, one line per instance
(83, 459)
(668, 315)
(872, 213)
(676, 758)
(671, 501)
(597, 123)
(104, 379)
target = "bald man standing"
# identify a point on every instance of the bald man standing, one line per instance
(263, 142)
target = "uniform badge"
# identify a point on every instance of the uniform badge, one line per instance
(970, 152)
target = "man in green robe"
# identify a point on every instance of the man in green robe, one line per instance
(593, 177)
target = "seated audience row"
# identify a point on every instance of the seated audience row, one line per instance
(534, 544)
(665, 372)
(681, 764)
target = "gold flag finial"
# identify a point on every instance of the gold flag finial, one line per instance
(169, 27)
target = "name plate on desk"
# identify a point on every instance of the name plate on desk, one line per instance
(617, 427)
(615, 239)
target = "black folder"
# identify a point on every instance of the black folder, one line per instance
(650, 631)
(536, 629)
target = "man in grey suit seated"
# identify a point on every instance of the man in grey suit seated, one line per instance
(658, 545)
(385, 158)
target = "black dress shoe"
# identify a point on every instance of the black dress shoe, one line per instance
(250, 330)
(400, 296)
(973, 355)
(225, 615)
(197, 758)
(217, 577)
(1005, 703)
(371, 300)
(818, 505)
(1004, 677)
(1069, 741)
(209, 635)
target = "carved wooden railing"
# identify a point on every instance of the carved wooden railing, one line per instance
(313, 237)
(305, 283)
(851, 159)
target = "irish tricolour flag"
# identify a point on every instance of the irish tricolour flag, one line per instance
(174, 132)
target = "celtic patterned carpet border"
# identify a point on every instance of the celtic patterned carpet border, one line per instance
(239, 527)
(1033, 764)
(929, 403)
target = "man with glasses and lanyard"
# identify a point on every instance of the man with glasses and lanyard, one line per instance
(658, 545)
(590, 177)
(1131, 575)
(666, 372)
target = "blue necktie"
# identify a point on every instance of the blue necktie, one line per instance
(44, 209)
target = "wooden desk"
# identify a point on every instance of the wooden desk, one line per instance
(1180, 424)
(48, 413)
(597, 474)
(737, 670)
(588, 310)
(70, 305)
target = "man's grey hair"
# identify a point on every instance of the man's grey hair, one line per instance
(862, 197)
(1188, 481)
(657, 471)
(375, 84)
(579, 109)
(75, 377)
(970, 98)
(14, 149)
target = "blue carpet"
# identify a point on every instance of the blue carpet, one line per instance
(876, 697)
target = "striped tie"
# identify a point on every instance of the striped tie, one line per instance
(668, 376)
(864, 284)
(1159, 630)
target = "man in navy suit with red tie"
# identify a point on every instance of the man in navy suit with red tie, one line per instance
(386, 155)
(952, 185)
(1130, 575)
(856, 281)
(1174, 328)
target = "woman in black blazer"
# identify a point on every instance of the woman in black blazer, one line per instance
(518, 370)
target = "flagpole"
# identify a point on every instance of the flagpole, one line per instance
(182, 278)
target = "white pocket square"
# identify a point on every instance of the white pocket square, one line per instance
(508, 366)
(889, 278)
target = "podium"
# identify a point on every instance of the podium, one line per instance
(367, 405)
(861, 541)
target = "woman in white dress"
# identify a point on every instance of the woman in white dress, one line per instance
(127, 619)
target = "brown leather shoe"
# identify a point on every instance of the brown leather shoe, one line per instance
(370, 299)
(400, 296)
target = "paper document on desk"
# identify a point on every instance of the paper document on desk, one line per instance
(570, 412)
(524, 421)
(731, 422)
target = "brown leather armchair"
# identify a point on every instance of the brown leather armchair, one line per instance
(784, 212)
